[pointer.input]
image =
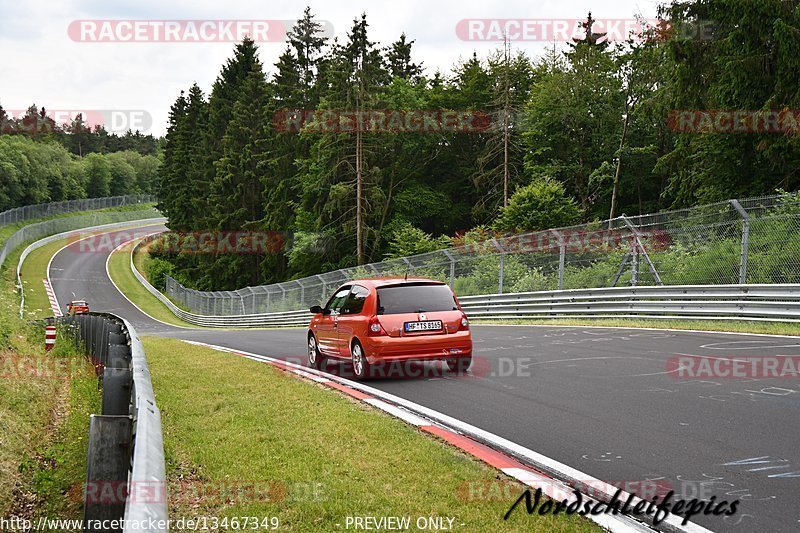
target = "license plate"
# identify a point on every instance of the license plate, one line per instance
(429, 325)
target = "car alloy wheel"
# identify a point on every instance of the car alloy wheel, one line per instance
(315, 359)
(360, 363)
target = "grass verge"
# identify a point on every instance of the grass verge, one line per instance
(45, 398)
(119, 269)
(34, 270)
(233, 422)
(739, 326)
(10, 229)
(45, 402)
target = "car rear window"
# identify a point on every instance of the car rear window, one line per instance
(415, 298)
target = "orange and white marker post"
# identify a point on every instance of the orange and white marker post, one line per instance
(49, 338)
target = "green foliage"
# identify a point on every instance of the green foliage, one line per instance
(157, 271)
(574, 125)
(540, 205)
(98, 176)
(751, 63)
(408, 240)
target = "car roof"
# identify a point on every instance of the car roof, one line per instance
(387, 281)
(78, 302)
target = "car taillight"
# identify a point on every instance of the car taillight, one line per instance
(464, 322)
(375, 328)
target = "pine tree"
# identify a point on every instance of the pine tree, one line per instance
(238, 187)
(174, 166)
(500, 161)
(398, 59)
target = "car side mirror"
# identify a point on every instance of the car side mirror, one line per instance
(317, 310)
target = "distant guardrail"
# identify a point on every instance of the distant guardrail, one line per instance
(720, 302)
(74, 223)
(125, 446)
(774, 302)
(745, 241)
(266, 320)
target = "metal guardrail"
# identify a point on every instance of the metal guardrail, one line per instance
(745, 241)
(79, 223)
(740, 302)
(266, 320)
(126, 446)
(775, 302)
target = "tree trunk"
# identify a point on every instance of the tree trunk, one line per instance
(359, 244)
(619, 166)
(505, 127)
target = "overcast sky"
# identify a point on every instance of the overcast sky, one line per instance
(41, 63)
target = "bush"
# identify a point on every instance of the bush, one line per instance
(157, 271)
(543, 204)
(408, 240)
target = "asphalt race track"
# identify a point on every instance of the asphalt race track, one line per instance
(597, 399)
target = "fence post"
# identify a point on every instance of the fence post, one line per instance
(501, 266)
(302, 293)
(562, 251)
(324, 287)
(745, 240)
(452, 267)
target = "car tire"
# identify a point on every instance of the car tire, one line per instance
(361, 367)
(459, 365)
(315, 359)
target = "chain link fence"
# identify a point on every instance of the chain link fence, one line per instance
(30, 212)
(33, 232)
(755, 240)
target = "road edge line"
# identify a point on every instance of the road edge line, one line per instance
(499, 452)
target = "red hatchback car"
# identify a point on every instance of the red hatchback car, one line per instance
(372, 321)
(77, 307)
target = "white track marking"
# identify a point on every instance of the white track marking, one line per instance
(724, 345)
(632, 327)
(108, 275)
(611, 522)
(397, 412)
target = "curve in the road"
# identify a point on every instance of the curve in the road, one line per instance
(597, 399)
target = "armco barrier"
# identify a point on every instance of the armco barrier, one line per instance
(780, 302)
(742, 241)
(125, 446)
(274, 320)
(72, 224)
(720, 302)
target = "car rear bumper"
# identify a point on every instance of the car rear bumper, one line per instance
(418, 348)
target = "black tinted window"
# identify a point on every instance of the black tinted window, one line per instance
(338, 299)
(355, 302)
(422, 298)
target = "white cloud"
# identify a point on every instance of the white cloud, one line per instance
(41, 64)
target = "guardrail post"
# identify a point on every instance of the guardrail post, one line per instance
(745, 240)
(107, 464)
